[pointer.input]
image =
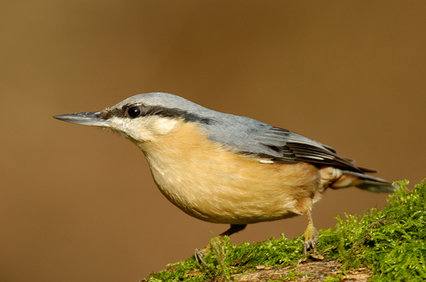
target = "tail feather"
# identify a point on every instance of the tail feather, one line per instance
(368, 182)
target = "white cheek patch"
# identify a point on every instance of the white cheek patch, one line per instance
(164, 125)
(133, 128)
(119, 124)
(144, 128)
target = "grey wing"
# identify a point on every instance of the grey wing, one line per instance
(278, 145)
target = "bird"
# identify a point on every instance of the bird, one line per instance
(229, 169)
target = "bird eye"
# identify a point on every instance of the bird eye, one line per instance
(134, 111)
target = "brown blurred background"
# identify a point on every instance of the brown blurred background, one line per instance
(79, 204)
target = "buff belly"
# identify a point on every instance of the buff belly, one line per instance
(212, 183)
(240, 197)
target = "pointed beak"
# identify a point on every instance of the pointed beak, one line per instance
(86, 118)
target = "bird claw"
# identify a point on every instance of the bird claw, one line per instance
(311, 244)
(199, 256)
(308, 244)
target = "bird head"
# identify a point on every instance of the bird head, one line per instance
(144, 117)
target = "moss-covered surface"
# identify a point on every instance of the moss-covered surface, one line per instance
(389, 243)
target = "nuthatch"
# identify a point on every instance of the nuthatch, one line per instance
(225, 168)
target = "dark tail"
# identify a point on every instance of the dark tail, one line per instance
(363, 181)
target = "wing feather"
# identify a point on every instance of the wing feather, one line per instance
(252, 137)
(298, 148)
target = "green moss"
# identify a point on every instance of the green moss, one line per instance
(391, 242)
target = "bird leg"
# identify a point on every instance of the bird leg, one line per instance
(200, 253)
(234, 228)
(311, 234)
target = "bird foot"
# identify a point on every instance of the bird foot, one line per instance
(311, 240)
(311, 244)
(199, 255)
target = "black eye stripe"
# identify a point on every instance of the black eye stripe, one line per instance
(138, 110)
